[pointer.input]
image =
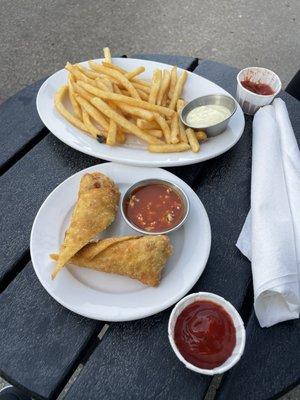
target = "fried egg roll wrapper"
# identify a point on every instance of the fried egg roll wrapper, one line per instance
(141, 258)
(94, 211)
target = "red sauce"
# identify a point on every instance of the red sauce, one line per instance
(258, 88)
(205, 334)
(154, 208)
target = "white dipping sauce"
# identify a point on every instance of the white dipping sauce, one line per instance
(204, 116)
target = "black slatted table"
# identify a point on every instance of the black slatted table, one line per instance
(42, 343)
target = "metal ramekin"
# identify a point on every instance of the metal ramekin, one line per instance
(218, 99)
(146, 182)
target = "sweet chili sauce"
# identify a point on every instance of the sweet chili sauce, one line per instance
(204, 334)
(155, 208)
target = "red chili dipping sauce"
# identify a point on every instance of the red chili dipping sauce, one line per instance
(154, 207)
(204, 334)
(258, 88)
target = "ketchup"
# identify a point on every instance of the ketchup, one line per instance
(204, 334)
(258, 88)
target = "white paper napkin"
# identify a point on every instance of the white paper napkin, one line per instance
(270, 237)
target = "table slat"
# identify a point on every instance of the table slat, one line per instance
(41, 342)
(270, 365)
(20, 125)
(24, 187)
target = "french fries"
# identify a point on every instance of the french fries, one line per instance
(168, 148)
(195, 146)
(122, 121)
(178, 90)
(109, 102)
(156, 80)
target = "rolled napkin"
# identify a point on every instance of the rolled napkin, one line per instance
(270, 237)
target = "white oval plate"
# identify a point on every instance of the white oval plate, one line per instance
(111, 297)
(134, 152)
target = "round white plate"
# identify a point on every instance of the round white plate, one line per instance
(134, 152)
(111, 297)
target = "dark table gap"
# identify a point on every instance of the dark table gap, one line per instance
(16, 269)
(24, 150)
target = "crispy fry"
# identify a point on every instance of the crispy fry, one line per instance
(95, 132)
(144, 96)
(101, 85)
(168, 148)
(180, 104)
(89, 73)
(125, 99)
(123, 71)
(141, 123)
(195, 147)
(112, 66)
(139, 112)
(143, 88)
(172, 82)
(78, 74)
(75, 105)
(112, 133)
(164, 127)
(107, 54)
(182, 134)
(134, 72)
(58, 98)
(83, 93)
(174, 129)
(121, 79)
(93, 112)
(201, 136)
(123, 122)
(155, 132)
(178, 89)
(163, 87)
(156, 81)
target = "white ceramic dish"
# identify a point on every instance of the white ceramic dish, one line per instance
(134, 152)
(237, 321)
(111, 297)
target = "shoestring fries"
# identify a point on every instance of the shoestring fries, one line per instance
(108, 103)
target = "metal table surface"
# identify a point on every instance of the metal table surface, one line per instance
(42, 343)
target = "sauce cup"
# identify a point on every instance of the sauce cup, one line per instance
(212, 99)
(237, 322)
(249, 101)
(132, 189)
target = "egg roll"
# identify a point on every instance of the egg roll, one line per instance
(138, 257)
(94, 211)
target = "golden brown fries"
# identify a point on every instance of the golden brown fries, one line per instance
(108, 102)
(164, 127)
(122, 121)
(193, 141)
(58, 102)
(141, 123)
(165, 83)
(125, 99)
(172, 82)
(178, 90)
(107, 54)
(156, 81)
(139, 112)
(93, 112)
(75, 105)
(174, 129)
(168, 148)
(201, 136)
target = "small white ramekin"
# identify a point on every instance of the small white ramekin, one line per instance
(249, 101)
(237, 321)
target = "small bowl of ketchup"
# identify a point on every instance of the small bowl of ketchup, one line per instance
(256, 87)
(206, 333)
